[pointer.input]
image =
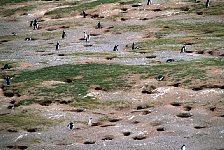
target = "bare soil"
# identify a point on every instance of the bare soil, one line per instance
(165, 119)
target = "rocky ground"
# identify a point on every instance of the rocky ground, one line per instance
(167, 118)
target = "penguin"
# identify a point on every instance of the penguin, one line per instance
(183, 49)
(183, 147)
(70, 125)
(63, 34)
(170, 60)
(57, 46)
(115, 48)
(8, 80)
(160, 78)
(90, 121)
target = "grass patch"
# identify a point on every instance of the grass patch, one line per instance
(10, 12)
(216, 8)
(92, 54)
(25, 120)
(129, 28)
(80, 7)
(129, 2)
(108, 76)
(198, 28)
(4, 2)
(161, 42)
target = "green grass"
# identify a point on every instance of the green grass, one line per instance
(129, 2)
(161, 42)
(25, 120)
(198, 28)
(80, 7)
(4, 2)
(216, 8)
(23, 9)
(128, 28)
(92, 54)
(108, 76)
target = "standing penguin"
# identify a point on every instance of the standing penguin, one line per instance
(149, 2)
(8, 80)
(57, 46)
(183, 147)
(99, 25)
(63, 34)
(115, 48)
(90, 121)
(183, 49)
(70, 125)
(207, 4)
